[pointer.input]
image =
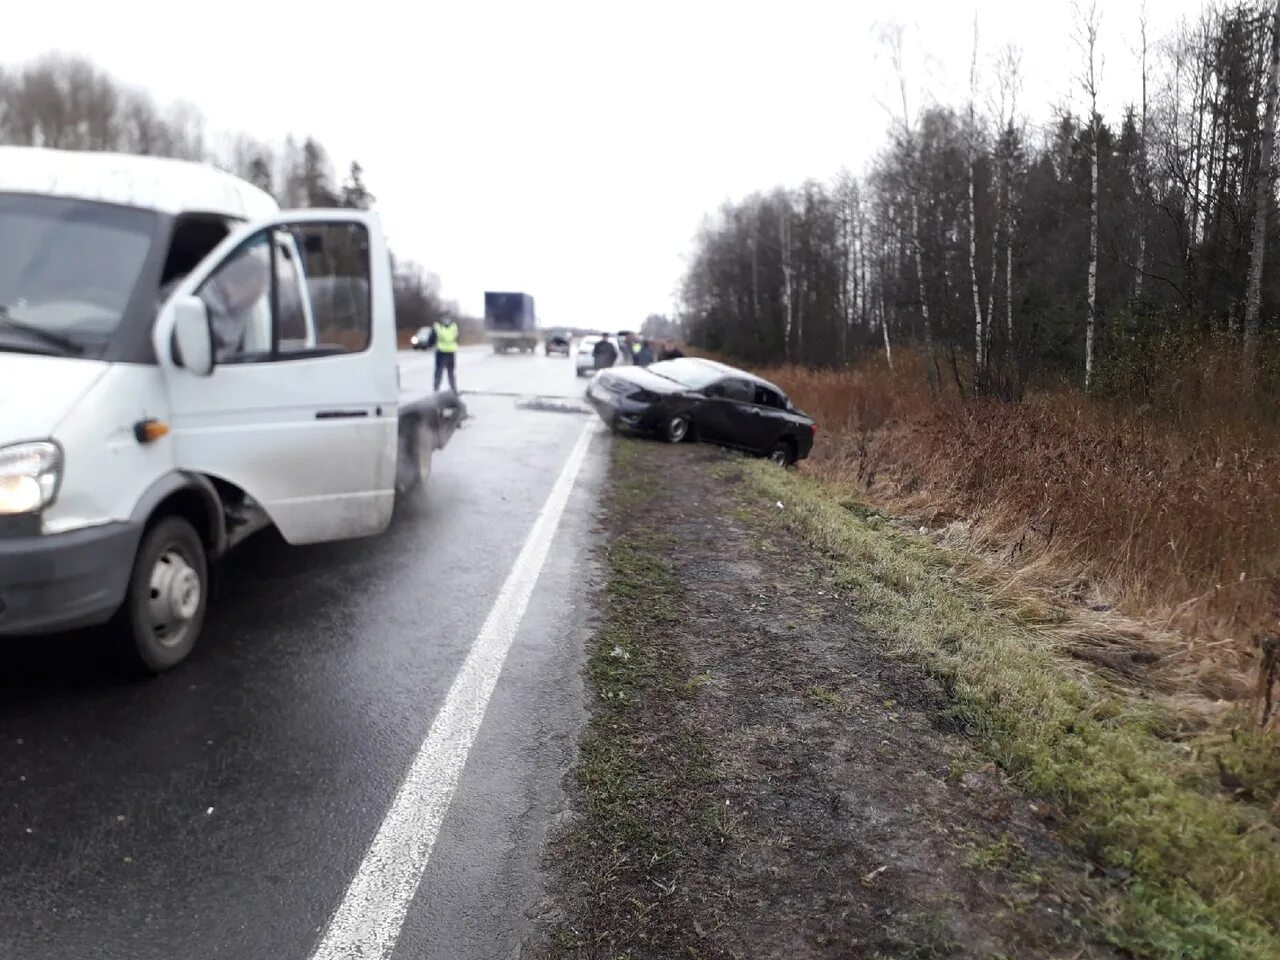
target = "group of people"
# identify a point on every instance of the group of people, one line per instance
(631, 349)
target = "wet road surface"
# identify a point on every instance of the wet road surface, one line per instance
(222, 810)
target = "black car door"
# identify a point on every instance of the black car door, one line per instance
(769, 418)
(725, 416)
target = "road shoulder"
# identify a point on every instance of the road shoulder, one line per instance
(760, 778)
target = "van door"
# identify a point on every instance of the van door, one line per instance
(299, 411)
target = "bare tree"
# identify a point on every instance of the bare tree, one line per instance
(979, 334)
(1253, 298)
(893, 39)
(849, 213)
(1087, 37)
(1009, 79)
(883, 271)
(788, 276)
(1143, 175)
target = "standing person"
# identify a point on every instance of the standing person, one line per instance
(603, 354)
(628, 347)
(444, 337)
(670, 351)
(644, 356)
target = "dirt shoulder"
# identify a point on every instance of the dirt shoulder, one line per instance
(760, 777)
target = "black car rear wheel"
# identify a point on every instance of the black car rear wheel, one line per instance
(783, 453)
(676, 428)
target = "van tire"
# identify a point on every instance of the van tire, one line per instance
(164, 607)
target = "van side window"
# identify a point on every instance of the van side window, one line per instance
(194, 237)
(292, 292)
(238, 298)
(336, 272)
(293, 316)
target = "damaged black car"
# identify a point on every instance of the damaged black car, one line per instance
(691, 398)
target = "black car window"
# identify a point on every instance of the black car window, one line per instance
(731, 389)
(767, 397)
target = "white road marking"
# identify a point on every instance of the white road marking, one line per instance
(367, 923)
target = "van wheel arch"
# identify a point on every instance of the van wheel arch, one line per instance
(195, 498)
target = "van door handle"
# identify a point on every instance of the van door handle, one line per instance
(340, 414)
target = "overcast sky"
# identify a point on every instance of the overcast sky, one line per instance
(570, 150)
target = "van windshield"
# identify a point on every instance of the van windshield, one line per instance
(68, 272)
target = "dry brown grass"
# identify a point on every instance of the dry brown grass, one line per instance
(1170, 519)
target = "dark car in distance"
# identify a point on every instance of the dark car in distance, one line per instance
(704, 400)
(558, 341)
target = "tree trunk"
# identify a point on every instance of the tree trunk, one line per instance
(978, 336)
(1008, 245)
(1253, 299)
(1093, 259)
(884, 314)
(852, 310)
(1141, 193)
(865, 308)
(913, 173)
(931, 358)
(784, 239)
(1090, 38)
(755, 267)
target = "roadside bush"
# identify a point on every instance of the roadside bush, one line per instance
(1166, 508)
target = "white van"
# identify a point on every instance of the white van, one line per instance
(182, 364)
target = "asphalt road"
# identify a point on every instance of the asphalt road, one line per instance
(222, 810)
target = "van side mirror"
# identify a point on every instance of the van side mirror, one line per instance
(192, 336)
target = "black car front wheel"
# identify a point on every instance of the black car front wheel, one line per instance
(676, 428)
(783, 453)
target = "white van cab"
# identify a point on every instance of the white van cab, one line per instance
(182, 364)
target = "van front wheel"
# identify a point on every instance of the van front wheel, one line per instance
(164, 607)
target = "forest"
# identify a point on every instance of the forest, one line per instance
(67, 102)
(1059, 331)
(1017, 250)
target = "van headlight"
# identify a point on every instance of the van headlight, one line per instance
(29, 476)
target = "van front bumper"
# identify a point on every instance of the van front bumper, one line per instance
(63, 581)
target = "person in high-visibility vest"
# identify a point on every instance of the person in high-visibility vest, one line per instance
(444, 337)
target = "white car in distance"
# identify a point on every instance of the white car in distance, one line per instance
(584, 360)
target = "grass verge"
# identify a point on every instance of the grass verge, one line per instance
(642, 769)
(1201, 874)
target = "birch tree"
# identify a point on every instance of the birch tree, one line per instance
(979, 336)
(1143, 175)
(1253, 298)
(1088, 40)
(907, 134)
(788, 278)
(1010, 80)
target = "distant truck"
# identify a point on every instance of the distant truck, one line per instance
(510, 322)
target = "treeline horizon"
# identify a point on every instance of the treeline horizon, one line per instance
(1109, 252)
(67, 102)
